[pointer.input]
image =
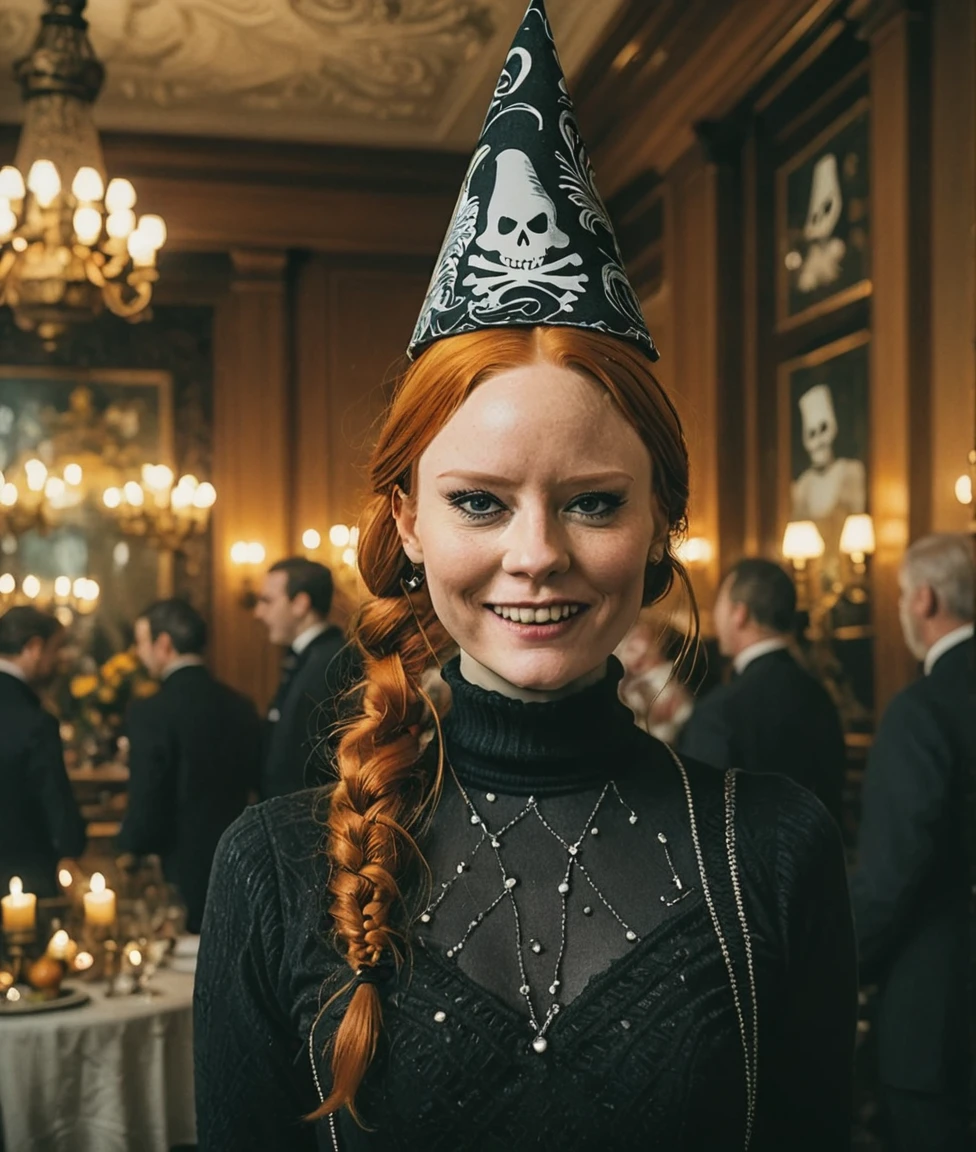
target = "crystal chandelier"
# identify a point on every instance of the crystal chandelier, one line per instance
(69, 244)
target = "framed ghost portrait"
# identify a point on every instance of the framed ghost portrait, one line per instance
(825, 450)
(823, 227)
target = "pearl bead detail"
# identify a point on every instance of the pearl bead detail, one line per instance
(540, 1044)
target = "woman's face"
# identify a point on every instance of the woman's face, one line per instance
(533, 517)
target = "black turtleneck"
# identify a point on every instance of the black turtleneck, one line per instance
(646, 1049)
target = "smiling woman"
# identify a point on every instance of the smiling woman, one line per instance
(542, 928)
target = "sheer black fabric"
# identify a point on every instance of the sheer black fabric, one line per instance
(646, 1050)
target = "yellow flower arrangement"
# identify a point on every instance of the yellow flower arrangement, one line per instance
(99, 699)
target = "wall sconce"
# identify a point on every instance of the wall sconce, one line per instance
(802, 543)
(695, 552)
(247, 556)
(63, 597)
(857, 540)
(343, 542)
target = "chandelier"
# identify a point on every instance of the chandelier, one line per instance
(161, 509)
(69, 244)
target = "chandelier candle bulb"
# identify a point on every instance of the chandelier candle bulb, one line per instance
(11, 183)
(19, 908)
(31, 587)
(73, 474)
(43, 180)
(120, 224)
(87, 184)
(99, 902)
(120, 195)
(154, 229)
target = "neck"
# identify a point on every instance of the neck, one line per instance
(755, 636)
(483, 677)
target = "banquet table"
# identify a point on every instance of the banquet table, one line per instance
(114, 1075)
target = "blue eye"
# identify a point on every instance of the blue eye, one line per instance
(475, 505)
(596, 505)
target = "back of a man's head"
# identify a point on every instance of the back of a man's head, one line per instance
(766, 591)
(184, 625)
(310, 577)
(945, 563)
(21, 624)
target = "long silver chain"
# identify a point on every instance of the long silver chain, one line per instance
(750, 1051)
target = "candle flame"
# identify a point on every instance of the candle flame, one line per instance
(135, 957)
(84, 960)
(97, 882)
(16, 886)
(64, 878)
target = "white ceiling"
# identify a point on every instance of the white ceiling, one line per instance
(397, 73)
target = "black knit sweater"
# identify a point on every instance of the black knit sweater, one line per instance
(646, 1050)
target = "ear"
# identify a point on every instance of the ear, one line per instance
(739, 614)
(926, 602)
(405, 514)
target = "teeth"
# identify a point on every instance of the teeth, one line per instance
(536, 615)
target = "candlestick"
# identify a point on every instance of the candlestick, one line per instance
(19, 908)
(99, 902)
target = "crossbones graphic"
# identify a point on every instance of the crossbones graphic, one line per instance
(548, 278)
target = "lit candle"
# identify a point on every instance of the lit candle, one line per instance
(99, 902)
(19, 908)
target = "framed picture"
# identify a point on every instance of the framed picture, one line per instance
(823, 227)
(825, 450)
(108, 422)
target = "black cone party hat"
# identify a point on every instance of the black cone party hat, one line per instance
(531, 242)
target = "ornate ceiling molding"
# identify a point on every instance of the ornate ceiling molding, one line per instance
(393, 72)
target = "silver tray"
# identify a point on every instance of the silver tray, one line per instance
(66, 998)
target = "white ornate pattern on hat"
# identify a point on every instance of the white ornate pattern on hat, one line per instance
(530, 242)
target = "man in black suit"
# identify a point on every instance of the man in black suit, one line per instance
(39, 818)
(773, 716)
(294, 605)
(194, 754)
(912, 886)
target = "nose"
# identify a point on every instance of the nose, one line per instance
(523, 239)
(535, 546)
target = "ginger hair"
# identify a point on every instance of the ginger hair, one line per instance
(385, 788)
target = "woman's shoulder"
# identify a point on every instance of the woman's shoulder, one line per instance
(274, 850)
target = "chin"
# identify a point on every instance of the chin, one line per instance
(542, 671)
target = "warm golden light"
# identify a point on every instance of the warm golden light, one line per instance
(695, 550)
(97, 883)
(802, 542)
(36, 473)
(11, 183)
(339, 535)
(7, 584)
(134, 494)
(857, 537)
(16, 886)
(120, 195)
(83, 961)
(73, 474)
(247, 552)
(87, 224)
(964, 489)
(87, 184)
(205, 496)
(62, 587)
(112, 497)
(43, 180)
(65, 878)
(311, 539)
(31, 587)
(349, 557)
(120, 224)
(8, 495)
(154, 229)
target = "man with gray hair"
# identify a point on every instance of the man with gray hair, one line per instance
(912, 887)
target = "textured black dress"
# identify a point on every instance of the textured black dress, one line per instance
(602, 878)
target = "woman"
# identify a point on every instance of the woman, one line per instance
(521, 922)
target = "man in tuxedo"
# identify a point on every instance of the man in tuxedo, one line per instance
(194, 754)
(294, 605)
(773, 716)
(911, 890)
(39, 818)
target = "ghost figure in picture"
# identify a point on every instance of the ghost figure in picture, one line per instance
(825, 251)
(521, 230)
(833, 487)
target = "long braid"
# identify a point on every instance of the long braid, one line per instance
(381, 795)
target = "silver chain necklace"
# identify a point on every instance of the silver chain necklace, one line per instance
(749, 1037)
(574, 864)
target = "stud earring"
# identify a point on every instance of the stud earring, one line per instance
(415, 580)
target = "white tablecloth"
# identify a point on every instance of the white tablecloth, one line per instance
(115, 1075)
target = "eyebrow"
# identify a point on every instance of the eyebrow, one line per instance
(586, 478)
